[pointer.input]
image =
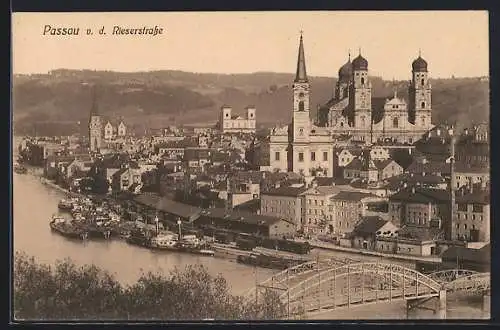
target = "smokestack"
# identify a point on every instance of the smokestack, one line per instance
(452, 181)
(228, 202)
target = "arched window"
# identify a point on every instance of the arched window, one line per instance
(395, 122)
(301, 106)
(423, 105)
(362, 120)
(362, 81)
(422, 82)
(423, 121)
(341, 124)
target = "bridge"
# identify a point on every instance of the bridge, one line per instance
(320, 286)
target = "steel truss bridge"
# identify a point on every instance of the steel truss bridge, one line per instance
(320, 286)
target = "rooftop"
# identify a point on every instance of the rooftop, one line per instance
(352, 196)
(240, 216)
(167, 205)
(285, 191)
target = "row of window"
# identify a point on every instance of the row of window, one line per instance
(465, 216)
(301, 156)
(321, 202)
(465, 226)
(476, 208)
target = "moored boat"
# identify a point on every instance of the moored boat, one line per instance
(164, 242)
(66, 228)
(20, 169)
(65, 205)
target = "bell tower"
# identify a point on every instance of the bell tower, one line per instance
(420, 109)
(301, 106)
(361, 96)
(95, 125)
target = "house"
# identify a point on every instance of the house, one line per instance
(411, 240)
(365, 234)
(319, 217)
(80, 166)
(468, 173)
(166, 209)
(122, 129)
(126, 179)
(472, 222)
(422, 207)
(457, 257)
(246, 222)
(196, 157)
(285, 203)
(387, 168)
(349, 208)
(379, 153)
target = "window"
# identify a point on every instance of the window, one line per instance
(477, 208)
(423, 104)
(362, 80)
(462, 207)
(465, 226)
(313, 156)
(301, 106)
(277, 155)
(301, 156)
(325, 156)
(395, 122)
(422, 82)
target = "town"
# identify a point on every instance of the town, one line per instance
(396, 187)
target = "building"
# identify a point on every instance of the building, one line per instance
(113, 130)
(230, 123)
(353, 112)
(349, 208)
(95, 127)
(285, 203)
(126, 179)
(472, 221)
(366, 233)
(301, 146)
(318, 210)
(246, 222)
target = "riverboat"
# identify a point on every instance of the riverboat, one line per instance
(139, 237)
(265, 261)
(66, 228)
(65, 205)
(165, 242)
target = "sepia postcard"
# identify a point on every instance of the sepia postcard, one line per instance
(243, 166)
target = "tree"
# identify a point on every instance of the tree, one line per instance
(68, 292)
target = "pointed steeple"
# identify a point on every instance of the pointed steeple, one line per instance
(394, 87)
(94, 109)
(301, 74)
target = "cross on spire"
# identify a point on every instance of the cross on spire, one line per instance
(359, 51)
(349, 52)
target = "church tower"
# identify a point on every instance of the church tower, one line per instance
(420, 106)
(301, 90)
(345, 79)
(361, 94)
(95, 126)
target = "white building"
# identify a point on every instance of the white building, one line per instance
(230, 123)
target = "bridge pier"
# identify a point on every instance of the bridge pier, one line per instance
(438, 306)
(441, 305)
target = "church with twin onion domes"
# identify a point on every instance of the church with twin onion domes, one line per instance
(307, 147)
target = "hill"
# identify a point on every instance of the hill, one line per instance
(55, 102)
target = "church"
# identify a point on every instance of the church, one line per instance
(351, 111)
(301, 146)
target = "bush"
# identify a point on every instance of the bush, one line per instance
(69, 292)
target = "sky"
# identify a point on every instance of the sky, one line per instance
(453, 42)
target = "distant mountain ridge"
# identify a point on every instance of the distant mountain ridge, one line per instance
(58, 100)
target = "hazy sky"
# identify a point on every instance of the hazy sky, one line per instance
(453, 42)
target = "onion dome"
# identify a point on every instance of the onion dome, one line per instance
(419, 65)
(345, 71)
(360, 63)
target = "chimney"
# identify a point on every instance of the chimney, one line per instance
(409, 151)
(412, 190)
(438, 132)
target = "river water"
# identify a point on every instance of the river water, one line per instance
(34, 203)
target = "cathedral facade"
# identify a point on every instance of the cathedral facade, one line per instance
(350, 111)
(301, 146)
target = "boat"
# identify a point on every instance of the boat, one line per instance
(66, 228)
(195, 248)
(139, 237)
(65, 205)
(164, 242)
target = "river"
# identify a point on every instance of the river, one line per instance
(34, 204)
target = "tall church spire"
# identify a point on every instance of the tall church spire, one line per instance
(301, 74)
